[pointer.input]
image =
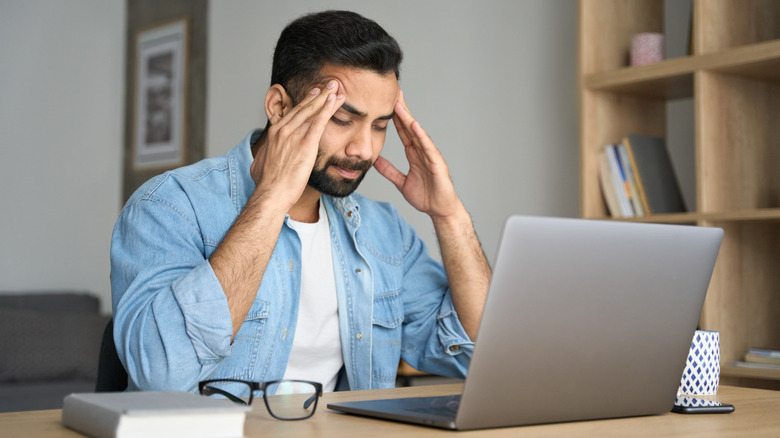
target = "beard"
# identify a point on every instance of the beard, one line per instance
(338, 187)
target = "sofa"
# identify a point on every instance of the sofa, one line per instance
(49, 347)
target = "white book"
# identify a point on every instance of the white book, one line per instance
(625, 204)
(152, 414)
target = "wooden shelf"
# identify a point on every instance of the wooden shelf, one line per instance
(669, 79)
(673, 78)
(750, 373)
(733, 79)
(769, 214)
(758, 61)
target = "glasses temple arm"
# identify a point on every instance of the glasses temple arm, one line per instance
(310, 400)
(209, 390)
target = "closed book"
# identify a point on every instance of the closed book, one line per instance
(628, 170)
(607, 186)
(654, 174)
(152, 414)
(626, 208)
(763, 355)
(766, 352)
(758, 366)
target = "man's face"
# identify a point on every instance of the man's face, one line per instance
(355, 135)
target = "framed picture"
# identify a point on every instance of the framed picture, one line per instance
(160, 96)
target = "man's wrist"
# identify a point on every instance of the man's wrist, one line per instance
(268, 203)
(454, 222)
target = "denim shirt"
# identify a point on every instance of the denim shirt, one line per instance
(172, 325)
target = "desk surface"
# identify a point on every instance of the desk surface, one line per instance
(757, 414)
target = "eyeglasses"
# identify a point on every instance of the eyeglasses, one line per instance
(285, 399)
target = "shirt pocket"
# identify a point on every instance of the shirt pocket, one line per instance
(254, 323)
(388, 310)
(386, 342)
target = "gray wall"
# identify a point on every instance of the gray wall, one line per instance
(493, 82)
(61, 94)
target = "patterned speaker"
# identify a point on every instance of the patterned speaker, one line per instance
(702, 369)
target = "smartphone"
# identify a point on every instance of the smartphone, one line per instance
(693, 405)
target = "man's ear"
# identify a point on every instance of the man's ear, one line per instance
(277, 103)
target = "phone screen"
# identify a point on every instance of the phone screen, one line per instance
(694, 405)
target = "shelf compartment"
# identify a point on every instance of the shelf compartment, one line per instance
(742, 302)
(738, 139)
(724, 24)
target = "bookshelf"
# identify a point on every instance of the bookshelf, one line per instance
(733, 77)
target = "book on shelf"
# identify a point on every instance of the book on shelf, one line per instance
(763, 356)
(757, 366)
(614, 183)
(654, 174)
(152, 413)
(607, 185)
(630, 175)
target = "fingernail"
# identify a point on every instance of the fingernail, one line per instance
(331, 84)
(315, 91)
(340, 96)
(330, 97)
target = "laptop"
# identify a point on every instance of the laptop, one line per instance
(584, 320)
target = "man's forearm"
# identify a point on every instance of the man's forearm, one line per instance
(241, 258)
(468, 272)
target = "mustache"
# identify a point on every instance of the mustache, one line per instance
(349, 164)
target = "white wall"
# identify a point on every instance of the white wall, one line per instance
(61, 94)
(493, 83)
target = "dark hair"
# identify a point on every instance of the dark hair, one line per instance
(341, 38)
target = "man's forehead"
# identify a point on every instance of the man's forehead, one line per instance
(365, 90)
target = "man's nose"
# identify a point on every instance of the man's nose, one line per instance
(360, 145)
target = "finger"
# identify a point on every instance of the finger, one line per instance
(403, 133)
(313, 93)
(409, 130)
(310, 104)
(402, 111)
(387, 170)
(319, 120)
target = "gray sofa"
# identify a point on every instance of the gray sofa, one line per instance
(49, 347)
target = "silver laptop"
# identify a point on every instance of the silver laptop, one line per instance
(584, 320)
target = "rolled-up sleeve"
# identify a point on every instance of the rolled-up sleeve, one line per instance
(434, 339)
(171, 319)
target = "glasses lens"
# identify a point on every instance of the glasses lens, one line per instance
(291, 399)
(237, 392)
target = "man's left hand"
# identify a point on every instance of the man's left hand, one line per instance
(427, 186)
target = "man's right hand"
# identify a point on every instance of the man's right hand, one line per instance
(281, 170)
(282, 166)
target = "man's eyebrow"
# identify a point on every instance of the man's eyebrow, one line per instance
(352, 110)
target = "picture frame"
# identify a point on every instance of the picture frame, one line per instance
(160, 96)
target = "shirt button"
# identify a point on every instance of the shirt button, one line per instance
(359, 336)
(358, 271)
(349, 214)
(454, 348)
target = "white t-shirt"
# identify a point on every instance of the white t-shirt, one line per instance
(316, 351)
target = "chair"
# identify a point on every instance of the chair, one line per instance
(111, 373)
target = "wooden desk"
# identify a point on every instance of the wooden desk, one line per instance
(757, 414)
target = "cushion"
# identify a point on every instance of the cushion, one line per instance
(39, 345)
(65, 301)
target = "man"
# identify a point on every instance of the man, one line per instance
(262, 264)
